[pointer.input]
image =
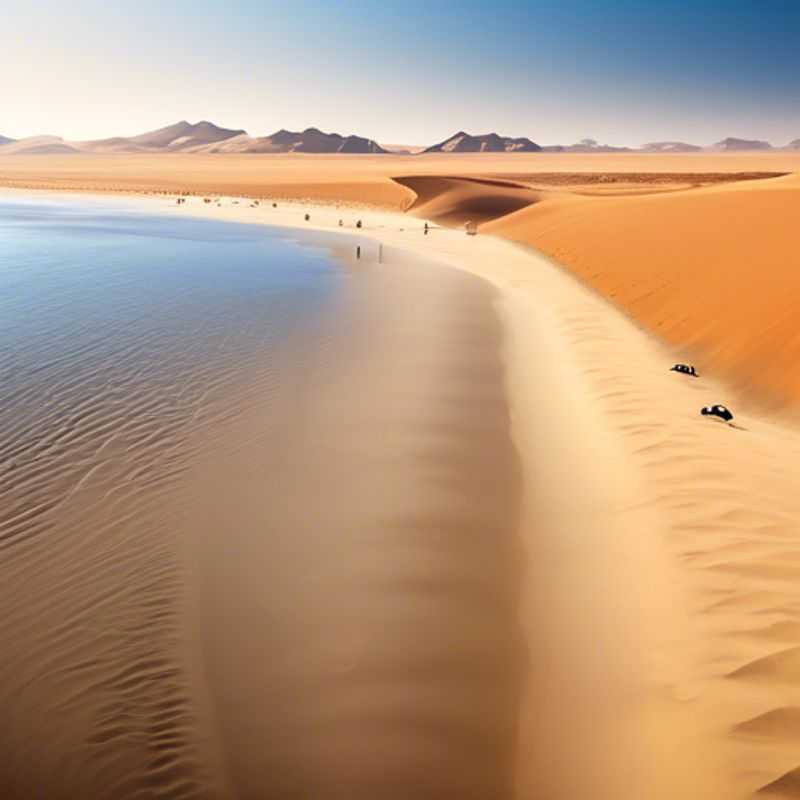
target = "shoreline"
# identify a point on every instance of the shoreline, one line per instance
(668, 705)
(686, 516)
(305, 562)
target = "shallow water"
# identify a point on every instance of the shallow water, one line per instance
(256, 516)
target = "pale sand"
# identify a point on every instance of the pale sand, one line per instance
(662, 550)
(667, 646)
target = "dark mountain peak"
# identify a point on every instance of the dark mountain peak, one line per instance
(732, 143)
(670, 147)
(312, 140)
(462, 142)
(184, 134)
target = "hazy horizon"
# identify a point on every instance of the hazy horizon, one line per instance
(556, 72)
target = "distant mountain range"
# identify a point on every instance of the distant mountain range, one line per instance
(201, 137)
(670, 147)
(737, 145)
(182, 136)
(37, 145)
(206, 137)
(585, 146)
(462, 142)
(311, 140)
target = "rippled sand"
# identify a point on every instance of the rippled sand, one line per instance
(234, 566)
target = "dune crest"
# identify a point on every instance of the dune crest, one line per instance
(456, 200)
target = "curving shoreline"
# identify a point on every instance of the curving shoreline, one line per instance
(676, 587)
(660, 547)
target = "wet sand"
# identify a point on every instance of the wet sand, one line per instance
(300, 582)
(358, 580)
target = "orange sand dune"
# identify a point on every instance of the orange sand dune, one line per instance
(711, 270)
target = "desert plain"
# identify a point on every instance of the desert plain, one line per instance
(660, 550)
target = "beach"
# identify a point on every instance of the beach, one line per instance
(241, 557)
(657, 550)
(660, 546)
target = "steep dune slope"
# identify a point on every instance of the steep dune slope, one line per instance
(712, 270)
(456, 200)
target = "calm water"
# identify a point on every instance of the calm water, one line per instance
(99, 290)
(125, 341)
(257, 516)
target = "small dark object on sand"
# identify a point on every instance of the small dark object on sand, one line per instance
(358, 224)
(358, 251)
(274, 205)
(308, 217)
(717, 411)
(685, 369)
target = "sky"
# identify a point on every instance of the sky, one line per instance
(557, 71)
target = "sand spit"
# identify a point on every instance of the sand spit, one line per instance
(669, 570)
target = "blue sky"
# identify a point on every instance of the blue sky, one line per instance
(413, 72)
